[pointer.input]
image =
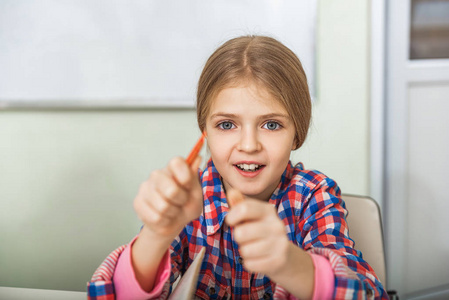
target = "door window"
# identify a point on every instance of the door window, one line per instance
(429, 29)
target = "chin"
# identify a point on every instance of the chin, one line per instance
(252, 193)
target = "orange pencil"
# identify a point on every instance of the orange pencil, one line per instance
(196, 149)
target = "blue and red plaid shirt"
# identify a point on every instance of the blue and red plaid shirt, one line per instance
(310, 206)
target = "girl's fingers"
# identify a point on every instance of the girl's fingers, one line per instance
(164, 184)
(148, 215)
(164, 207)
(177, 181)
(256, 249)
(267, 254)
(267, 258)
(163, 201)
(249, 210)
(183, 173)
(258, 265)
(195, 164)
(195, 168)
(234, 197)
(251, 231)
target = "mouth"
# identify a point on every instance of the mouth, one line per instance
(249, 167)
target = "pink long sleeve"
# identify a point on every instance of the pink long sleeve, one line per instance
(127, 287)
(126, 284)
(324, 278)
(324, 281)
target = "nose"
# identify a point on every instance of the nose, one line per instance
(249, 141)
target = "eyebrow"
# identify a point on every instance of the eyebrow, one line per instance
(231, 116)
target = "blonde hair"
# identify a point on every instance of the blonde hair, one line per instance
(266, 62)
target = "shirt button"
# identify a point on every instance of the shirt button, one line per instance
(267, 296)
(240, 260)
(211, 290)
(369, 293)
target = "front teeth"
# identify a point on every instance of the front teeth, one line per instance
(249, 168)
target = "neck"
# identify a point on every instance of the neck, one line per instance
(265, 197)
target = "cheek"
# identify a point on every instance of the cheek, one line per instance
(216, 148)
(280, 151)
(284, 156)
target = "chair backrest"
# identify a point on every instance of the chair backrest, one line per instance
(365, 228)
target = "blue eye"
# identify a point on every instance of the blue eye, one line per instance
(272, 125)
(226, 125)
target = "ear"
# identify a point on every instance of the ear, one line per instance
(295, 143)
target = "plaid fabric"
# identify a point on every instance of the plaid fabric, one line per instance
(100, 286)
(310, 206)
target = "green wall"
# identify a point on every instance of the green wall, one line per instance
(67, 182)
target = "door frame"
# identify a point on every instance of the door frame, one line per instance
(400, 74)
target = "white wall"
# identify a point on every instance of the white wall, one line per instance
(131, 51)
(338, 143)
(68, 178)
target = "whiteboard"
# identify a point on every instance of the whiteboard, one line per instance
(103, 53)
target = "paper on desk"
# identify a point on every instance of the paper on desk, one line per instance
(187, 285)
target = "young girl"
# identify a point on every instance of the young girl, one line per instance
(287, 239)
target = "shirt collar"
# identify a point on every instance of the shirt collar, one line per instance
(215, 204)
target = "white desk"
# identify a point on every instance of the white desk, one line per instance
(10, 293)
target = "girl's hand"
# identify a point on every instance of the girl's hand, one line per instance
(265, 248)
(170, 198)
(261, 235)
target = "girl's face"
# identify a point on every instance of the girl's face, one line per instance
(250, 136)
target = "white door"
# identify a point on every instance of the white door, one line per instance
(417, 148)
